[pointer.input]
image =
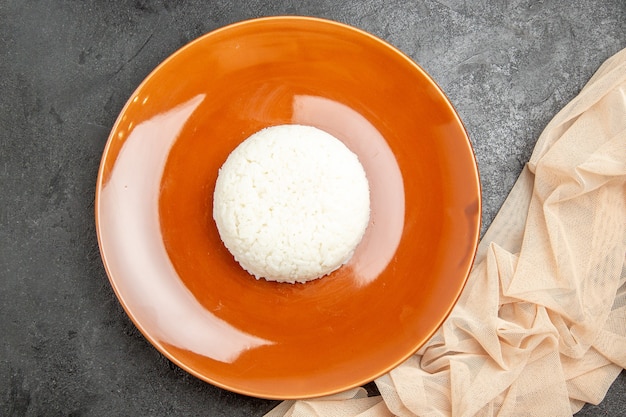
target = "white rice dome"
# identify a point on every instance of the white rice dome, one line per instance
(291, 203)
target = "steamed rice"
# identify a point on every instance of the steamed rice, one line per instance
(291, 203)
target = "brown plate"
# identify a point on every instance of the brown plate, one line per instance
(180, 285)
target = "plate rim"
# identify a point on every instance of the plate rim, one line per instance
(101, 177)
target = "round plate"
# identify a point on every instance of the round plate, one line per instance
(183, 289)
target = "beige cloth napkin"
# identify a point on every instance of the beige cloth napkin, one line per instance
(540, 328)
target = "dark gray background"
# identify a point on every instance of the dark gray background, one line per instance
(66, 69)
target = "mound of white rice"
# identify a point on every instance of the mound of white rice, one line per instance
(291, 203)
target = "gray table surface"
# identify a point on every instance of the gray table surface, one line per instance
(66, 70)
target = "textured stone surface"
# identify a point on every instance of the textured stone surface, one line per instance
(67, 67)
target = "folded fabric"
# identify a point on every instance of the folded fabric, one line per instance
(540, 328)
